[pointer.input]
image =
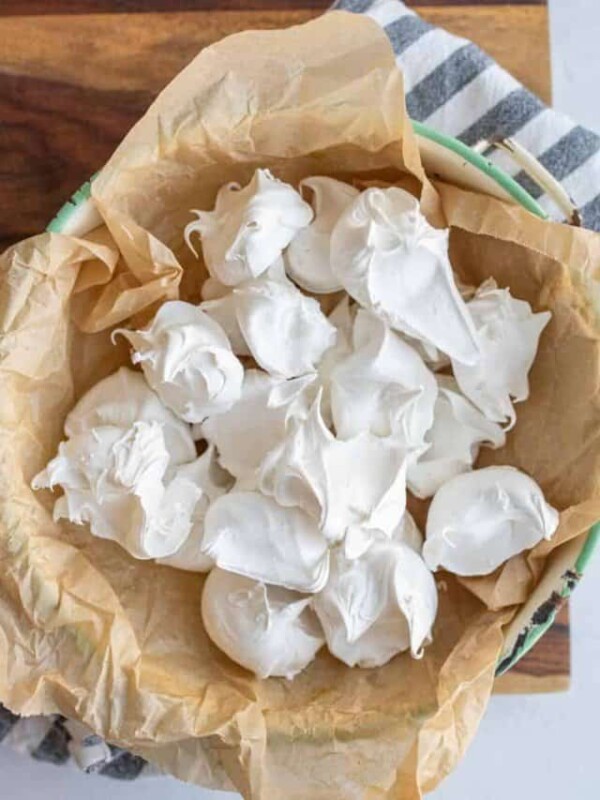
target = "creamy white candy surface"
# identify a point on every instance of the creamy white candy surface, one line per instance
(479, 520)
(377, 605)
(120, 481)
(187, 359)
(339, 483)
(308, 258)
(270, 319)
(212, 481)
(123, 398)
(258, 421)
(458, 430)
(508, 333)
(252, 535)
(249, 227)
(269, 630)
(382, 387)
(391, 260)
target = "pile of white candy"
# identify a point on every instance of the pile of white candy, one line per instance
(298, 506)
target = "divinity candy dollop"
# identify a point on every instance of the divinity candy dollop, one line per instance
(123, 398)
(124, 468)
(338, 483)
(307, 258)
(382, 387)
(249, 227)
(453, 441)
(258, 421)
(212, 481)
(479, 520)
(187, 359)
(269, 630)
(270, 319)
(252, 535)
(119, 481)
(391, 260)
(508, 333)
(377, 605)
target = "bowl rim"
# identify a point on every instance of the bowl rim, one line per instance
(534, 630)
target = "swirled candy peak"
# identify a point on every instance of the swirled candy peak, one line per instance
(377, 605)
(249, 227)
(459, 428)
(122, 482)
(508, 333)
(258, 421)
(390, 259)
(187, 359)
(285, 331)
(383, 386)
(339, 483)
(123, 398)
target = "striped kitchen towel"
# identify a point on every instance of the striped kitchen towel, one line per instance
(452, 86)
(456, 88)
(57, 741)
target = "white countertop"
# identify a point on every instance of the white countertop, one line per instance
(549, 741)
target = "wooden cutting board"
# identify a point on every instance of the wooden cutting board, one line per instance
(76, 74)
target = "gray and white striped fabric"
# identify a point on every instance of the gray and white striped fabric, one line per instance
(57, 741)
(456, 88)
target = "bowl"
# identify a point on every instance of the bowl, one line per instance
(454, 162)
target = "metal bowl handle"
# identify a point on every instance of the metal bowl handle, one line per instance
(538, 174)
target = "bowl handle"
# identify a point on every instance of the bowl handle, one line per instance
(538, 174)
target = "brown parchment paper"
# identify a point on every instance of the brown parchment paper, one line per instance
(89, 632)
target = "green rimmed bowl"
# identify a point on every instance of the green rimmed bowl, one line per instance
(463, 166)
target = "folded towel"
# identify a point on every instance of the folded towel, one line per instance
(456, 88)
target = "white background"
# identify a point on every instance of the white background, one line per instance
(543, 746)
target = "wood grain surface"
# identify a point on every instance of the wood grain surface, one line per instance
(21, 8)
(72, 85)
(73, 82)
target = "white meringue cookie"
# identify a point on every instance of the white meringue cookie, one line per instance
(342, 318)
(258, 421)
(269, 630)
(187, 359)
(124, 398)
(383, 387)
(408, 533)
(509, 334)
(480, 519)
(286, 332)
(249, 227)
(117, 480)
(359, 539)
(378, 605)
(361, 481)
(220, 304)
(308, 255)
(391, 260)
(223, 310)
(212, 481)
(458, 430)
(271, 320)
(250, 534)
